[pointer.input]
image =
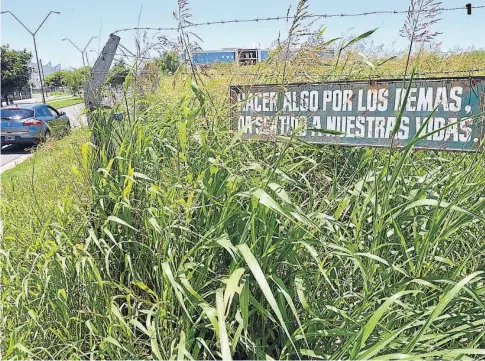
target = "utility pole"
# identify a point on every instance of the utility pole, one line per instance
(35, 45)
(83, 52)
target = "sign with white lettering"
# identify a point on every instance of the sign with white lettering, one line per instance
(364, 113)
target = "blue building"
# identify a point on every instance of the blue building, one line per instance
(242, 56)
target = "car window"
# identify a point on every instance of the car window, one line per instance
(39, 112)
(16, 114)
(42, 112)
(52, 111)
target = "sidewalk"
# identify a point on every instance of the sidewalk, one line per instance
(39, 99)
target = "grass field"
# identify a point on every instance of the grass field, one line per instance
(44, 156)
(65, 102)
(165, 236)
(59, 94)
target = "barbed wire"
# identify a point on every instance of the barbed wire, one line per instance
(288, 17)
(210, 72)
(457, 71)
(133, 56)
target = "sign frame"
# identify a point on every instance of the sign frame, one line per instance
(469, 83)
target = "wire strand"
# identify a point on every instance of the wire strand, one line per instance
(444, 72)
(278, 18)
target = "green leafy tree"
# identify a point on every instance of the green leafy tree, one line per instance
(56, 79)
(15, 70)
(168, 62)
(75, 79)
(118, 73)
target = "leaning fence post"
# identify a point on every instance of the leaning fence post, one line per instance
(95, 81)
(99, 71)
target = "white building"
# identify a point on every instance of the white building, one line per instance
(47, 69)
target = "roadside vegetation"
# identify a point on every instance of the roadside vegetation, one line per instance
(165, 236)
(46, 157)
(30, 190)
(15, 71)
(59, 93)
(354, 66)
(71, 79)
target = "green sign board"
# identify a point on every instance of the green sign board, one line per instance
(363, 113)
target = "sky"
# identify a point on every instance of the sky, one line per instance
(80, 20)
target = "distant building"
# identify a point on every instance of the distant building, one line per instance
(244, 56)
(241, 56)
(46, 69)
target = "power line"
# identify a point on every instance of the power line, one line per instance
(277, 18)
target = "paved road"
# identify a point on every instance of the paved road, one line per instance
(11, 155)
(74, 114)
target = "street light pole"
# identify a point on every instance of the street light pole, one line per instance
(35, 45)
(83, 52)
(76, 48)
(38, 68)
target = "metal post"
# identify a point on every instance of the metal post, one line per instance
(82, 55)
(43, 76)
(38, 68)
(82, 51)
(35, 44)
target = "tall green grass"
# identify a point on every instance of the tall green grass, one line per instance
(179, 240)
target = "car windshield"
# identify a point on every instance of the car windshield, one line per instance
(16, 114)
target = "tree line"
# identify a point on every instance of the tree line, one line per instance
(16, 73)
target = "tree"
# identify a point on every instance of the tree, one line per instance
(75, 79)
(15, 70)
(56, 79)
(118, 73)
(168, 62)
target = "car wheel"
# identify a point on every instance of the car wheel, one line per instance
(47, 135)
(67, 128)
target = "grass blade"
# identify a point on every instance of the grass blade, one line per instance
(223, 339)
(258, 274)
(445, 300)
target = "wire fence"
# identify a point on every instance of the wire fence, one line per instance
(153, 50)
(291, 17)
(300, 58)
(443, 72)
(185, 23)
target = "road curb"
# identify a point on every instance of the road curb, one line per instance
(13, 163)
